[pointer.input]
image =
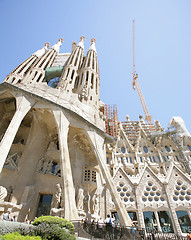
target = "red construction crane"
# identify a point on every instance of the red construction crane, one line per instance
(136, 85)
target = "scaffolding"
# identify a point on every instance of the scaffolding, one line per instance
(111, 120)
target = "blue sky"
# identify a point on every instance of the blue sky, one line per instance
(162, 47)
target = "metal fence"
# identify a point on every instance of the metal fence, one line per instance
(95, 231)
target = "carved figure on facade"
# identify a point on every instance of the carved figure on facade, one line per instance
(47, 167)
(56, 200)
(3, 193)
(95, 201)
(5, 204)
(83, 143)
(86, 202)
(84, 94)
(57, 206)
(12, 161)
(80, 199)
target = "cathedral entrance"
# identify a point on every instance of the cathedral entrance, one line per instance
(44, 205)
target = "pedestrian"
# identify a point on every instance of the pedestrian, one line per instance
(188, 235)
(100, 226)
(133, 231)
(110, 223)
(6, 216)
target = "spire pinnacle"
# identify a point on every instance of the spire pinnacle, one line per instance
(81, 42)
(58, 44)
(40, 52)
(92, 46)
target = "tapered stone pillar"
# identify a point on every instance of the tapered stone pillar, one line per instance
(97, 143)
(70, 210)
(158, 222)
(23, 106)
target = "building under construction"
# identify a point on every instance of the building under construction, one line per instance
(65, 153)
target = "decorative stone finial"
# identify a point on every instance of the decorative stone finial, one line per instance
(141, 118)
(58, 44)
(82, 38)
(47, 44)
(92, 46)
(73, 46)
(93, 40)
(61, 40)
(40, 52)
(81, 43)
(127, 117)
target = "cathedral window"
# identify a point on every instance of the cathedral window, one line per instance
(167, 148)
(177, 159)
(141, 159)
(123, 150)
(54, 167)
(159, 159)
(87, 75)
(165, 221)
(164, 158)
(72, 75)
(127, 159)
(184, 221)
(93, 60)
(145, 149)
(89, 59)
(154, 159)
(150, 221)
(38, 79)
(13, 80)
(92, 81)
(68, 72)
(189, 147)
(89, 175)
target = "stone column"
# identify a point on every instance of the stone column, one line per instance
(97, 143)
(189, 214)
(140, 216)
(70, 209)
(172, 211)
(158, 222)
(23, 106)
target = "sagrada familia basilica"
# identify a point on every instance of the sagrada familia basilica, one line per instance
(64, 152)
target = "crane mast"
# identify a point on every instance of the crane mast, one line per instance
(136, 85)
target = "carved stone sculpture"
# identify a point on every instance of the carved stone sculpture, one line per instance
(95, 205)
(80, 199)
(12, 161)
(56, 200)
(3, 193)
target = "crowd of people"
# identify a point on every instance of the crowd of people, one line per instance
(7, 217)
(110, 226)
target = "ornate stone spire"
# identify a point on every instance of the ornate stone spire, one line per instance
(17, 75)
(89, 76)
(69, 78)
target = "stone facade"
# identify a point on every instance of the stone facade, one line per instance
(57, 159)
